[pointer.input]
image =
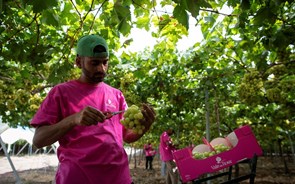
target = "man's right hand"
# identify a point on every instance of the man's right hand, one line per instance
(89, 116)
(48, 134)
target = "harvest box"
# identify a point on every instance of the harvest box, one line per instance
(191, 168)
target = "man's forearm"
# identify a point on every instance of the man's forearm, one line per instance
(48, 134)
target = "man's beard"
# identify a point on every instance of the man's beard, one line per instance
(94, 78)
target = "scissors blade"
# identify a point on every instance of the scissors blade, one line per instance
(111, 114)
(118, 112)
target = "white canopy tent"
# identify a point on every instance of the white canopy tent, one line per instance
(3, 128)
(9, 136)
(12, 135)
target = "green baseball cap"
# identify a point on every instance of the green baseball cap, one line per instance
(92, 46)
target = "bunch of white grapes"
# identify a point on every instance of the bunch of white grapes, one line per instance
(199, 155)
(220, 148)
(217, 149)
(132, 119)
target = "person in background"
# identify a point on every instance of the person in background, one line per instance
(163, 167)
(75, 113)
(149, 155)
(166, 149)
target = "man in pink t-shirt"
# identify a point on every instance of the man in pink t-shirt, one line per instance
(74, 114)
(166, 149)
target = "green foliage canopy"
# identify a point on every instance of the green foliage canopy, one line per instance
(245, 61)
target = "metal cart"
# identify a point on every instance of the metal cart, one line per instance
(229, 173)
(246, 151)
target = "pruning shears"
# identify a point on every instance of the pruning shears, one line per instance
(111, 114)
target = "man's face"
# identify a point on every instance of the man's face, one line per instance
(94, 70)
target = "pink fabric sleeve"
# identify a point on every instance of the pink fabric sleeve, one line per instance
(48, 113)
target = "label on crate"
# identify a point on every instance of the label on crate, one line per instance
(221, 163)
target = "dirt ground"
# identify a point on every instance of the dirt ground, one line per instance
(269, 171)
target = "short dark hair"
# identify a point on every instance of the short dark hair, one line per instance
(170, 130)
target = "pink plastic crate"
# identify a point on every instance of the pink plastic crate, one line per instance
(191, 168)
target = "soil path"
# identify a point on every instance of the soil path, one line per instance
(40, 169)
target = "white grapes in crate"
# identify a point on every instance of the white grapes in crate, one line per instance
(216, 146)
(220, 144)
(202, 151)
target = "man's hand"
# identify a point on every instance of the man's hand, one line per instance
(89, 116)
(48, 134)
(149, 116)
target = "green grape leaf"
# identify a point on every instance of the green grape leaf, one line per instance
(181, 15)
(263, 16)
(50, 18)
(245, 5)
(124, 27)
(39, 6)
(123, 12)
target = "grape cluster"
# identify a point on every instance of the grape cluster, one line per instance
(220, 148)
(132, 119)
(251, 89)
(199, 155)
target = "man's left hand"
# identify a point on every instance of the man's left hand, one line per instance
(149, 115)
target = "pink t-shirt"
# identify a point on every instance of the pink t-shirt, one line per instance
(87, 154)
(165, 150)
(149, 151)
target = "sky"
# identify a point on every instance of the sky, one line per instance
(187, 41)
(139, 44)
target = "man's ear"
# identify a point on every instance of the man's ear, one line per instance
(78, 61)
